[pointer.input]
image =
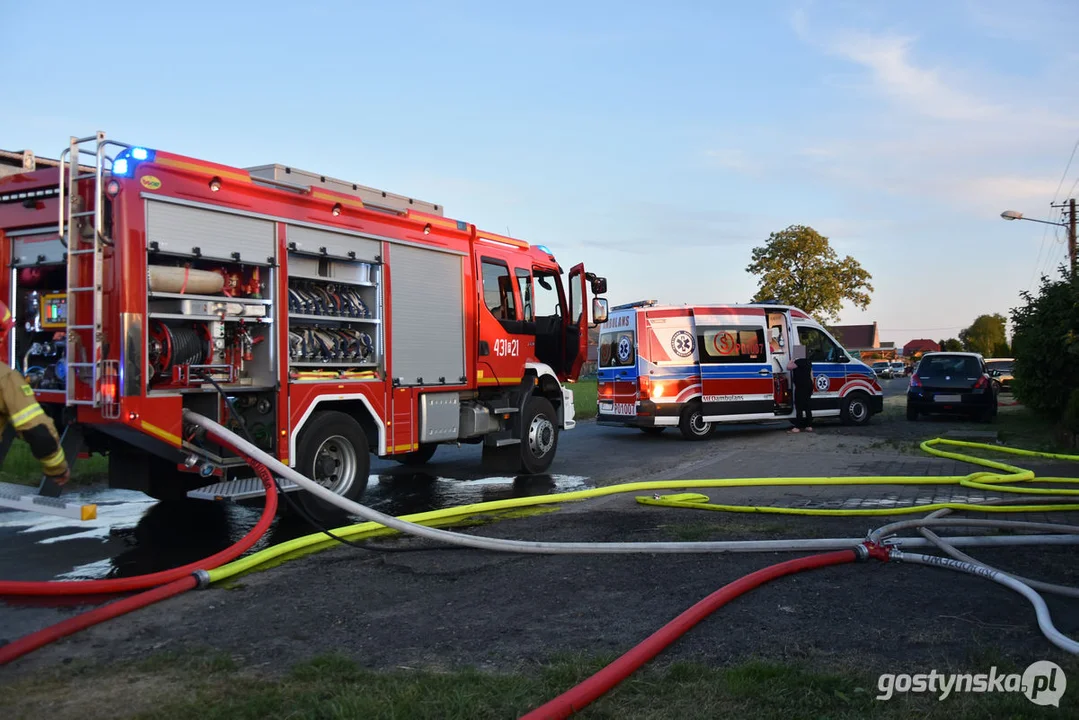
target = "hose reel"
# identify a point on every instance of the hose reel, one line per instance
(176, 346)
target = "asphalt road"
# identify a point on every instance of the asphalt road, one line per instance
(135, 535)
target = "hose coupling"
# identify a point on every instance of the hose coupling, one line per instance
(873, 550)
(202, 577)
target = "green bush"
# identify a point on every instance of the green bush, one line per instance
(1045, 346)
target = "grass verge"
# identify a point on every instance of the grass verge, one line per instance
(211, 686)
(21, 467)
(585, 394)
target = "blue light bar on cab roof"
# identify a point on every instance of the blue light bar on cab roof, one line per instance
(125, 163)
(543, 248)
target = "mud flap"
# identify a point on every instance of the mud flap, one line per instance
(504, 460)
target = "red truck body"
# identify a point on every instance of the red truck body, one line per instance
(327, 320)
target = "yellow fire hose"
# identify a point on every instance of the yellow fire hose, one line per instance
(1007, 478)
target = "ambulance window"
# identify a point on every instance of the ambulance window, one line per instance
(731, 344)
(819, 347)
(498, 290)
(524, 285)
(617, 349)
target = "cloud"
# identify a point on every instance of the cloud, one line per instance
(921, 90)
(926, 129)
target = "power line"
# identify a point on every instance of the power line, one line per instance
(1066, 169)
(1045, 230)
(939, 329)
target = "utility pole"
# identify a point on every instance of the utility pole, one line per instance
(1071, 234)
(1070, 225)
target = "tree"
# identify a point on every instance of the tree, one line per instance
(985, 335)
(951, 345)
(1046, 347)
(798, 266)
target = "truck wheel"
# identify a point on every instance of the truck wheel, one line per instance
(539, 435)
(856, 409)
(693, 425)
(332, 451)
(418, 457)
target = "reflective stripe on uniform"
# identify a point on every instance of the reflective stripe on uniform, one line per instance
(25, 415)
(53, 461)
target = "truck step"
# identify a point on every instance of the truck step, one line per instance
(234, 490)
(24, 497)
(503, 442)
(504, 411)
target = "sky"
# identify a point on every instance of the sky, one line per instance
(657, 143)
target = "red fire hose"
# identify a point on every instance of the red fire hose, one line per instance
(578, 697)
(171, 583)
(33, 641)
(141, 582)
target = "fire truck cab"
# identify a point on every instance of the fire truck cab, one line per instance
(325, 320)
(692, 367)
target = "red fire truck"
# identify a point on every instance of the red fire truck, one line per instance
(327, 320)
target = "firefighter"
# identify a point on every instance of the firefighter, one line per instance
(19, 407)
(802, 372)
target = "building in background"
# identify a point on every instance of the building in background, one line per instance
(916, 348)
(863, 341)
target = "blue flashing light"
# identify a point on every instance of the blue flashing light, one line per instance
(125, 162)
(543, 248)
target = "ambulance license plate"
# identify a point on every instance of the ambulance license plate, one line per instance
(616, 408)
(948, 398)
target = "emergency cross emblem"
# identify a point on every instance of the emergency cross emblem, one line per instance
(823, 383)
(624, 349)
(682, 344)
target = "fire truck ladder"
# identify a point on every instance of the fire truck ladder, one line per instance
(83, 233)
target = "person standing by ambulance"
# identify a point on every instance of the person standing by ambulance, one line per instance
(19, 406)
(802, 375)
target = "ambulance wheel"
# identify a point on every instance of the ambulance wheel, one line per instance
(418, 457)
(693, 425)
(539, 435)
(855, 409)
(656, 431)
(332, 451)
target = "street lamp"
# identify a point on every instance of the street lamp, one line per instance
(1070, 225)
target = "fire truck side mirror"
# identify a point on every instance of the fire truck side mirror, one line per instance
(599, 285)
(599, 310)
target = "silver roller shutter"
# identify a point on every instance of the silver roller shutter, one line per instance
(428, 316)
(217, 235)
(310, 240)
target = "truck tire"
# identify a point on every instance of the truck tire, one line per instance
(332, 450)
(855, 409)
(692, 423)
(419, 457)
(539, 435)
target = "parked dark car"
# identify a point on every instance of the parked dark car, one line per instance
(952, 383)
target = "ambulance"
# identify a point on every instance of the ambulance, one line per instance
(692, 367)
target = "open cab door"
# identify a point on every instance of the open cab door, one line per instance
(578, 322)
